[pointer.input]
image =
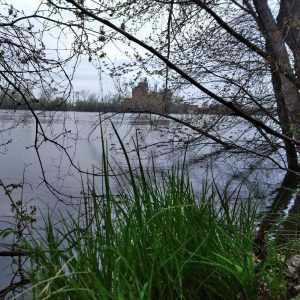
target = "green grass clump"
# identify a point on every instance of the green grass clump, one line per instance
(150, 241)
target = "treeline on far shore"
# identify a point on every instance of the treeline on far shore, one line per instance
(86, 106)
(89, 102)
(59, 104)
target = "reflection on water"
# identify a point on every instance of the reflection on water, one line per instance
(282, 217)
(79, 134)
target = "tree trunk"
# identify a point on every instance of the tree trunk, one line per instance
(286, 92)
(288, 21)
(291, 152)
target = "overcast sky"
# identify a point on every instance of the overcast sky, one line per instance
(86, 75)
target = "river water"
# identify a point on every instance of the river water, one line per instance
(76, 144)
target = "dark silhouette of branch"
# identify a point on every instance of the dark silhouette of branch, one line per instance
(12, 253)
(245, 41)
(13, 286)
(230, 105)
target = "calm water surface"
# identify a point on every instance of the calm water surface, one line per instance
(80, 136)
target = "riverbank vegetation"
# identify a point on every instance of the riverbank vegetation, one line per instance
(155, 239)
(158, 242)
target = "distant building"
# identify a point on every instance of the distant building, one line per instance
(165, 94)
(140, 91)
(151, 100)
(144, 99)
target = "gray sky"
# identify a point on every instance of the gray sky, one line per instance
(86, 75)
